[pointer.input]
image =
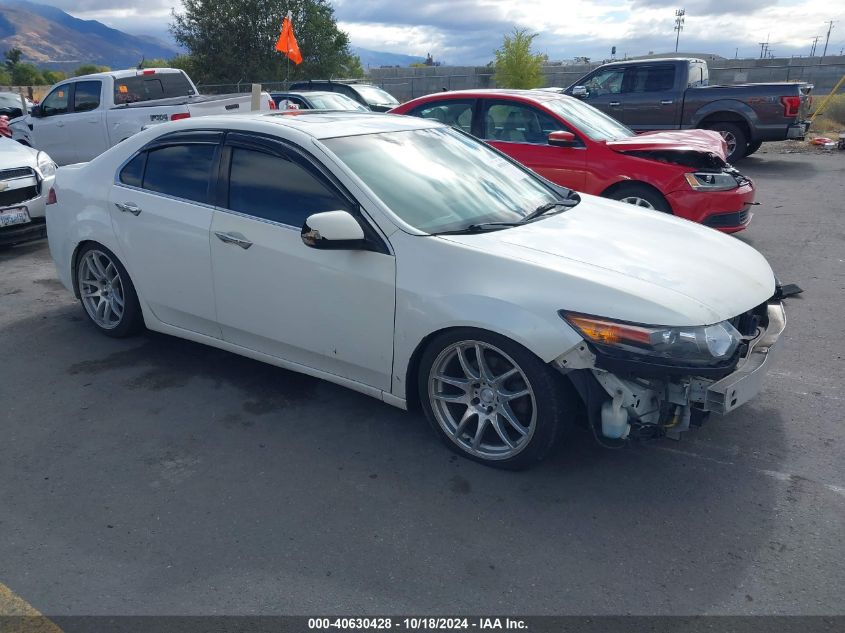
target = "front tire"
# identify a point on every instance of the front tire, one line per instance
(107, 293)
(492, 400)
(640, 196)
(753, 146)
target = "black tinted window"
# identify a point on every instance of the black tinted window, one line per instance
(653, 79)
(148, 87)
(86, 96)
(133, 173)
(183, 171)
(276, 189)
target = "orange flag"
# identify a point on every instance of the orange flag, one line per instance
(286, 43)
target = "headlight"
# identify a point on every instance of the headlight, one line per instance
(46, 165)
(711, 181)
(697, 345)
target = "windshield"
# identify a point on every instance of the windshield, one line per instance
(331, 101)
(592, 122)
(375, 95)
(440, 179)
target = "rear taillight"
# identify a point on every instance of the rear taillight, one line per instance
(180, 115)
(791, 106)
(272, 104)
(51, 197)
(149, 71)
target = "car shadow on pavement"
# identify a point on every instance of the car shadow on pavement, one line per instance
(754, 166)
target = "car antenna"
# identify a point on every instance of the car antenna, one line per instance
(141, 63)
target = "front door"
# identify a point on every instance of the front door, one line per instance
(161, 215)
(606, 91)
(522, 132)
(49, 129)
(330, 310)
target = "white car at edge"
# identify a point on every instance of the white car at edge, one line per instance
(395, 256)
(26, 176)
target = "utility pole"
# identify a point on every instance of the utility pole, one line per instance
(764, 46)
(813, 48)
(827, 39)
(679, 25)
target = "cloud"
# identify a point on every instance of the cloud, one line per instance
(469, 31)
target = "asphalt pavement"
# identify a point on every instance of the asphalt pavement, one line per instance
(156, 476)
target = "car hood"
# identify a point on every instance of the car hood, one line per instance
(13, 154)
(684, 141)
(616, 260)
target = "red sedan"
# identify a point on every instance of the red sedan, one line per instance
(577, 146)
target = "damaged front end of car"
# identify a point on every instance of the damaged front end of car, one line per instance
(644, 381)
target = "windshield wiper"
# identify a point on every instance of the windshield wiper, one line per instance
(481, 227)
(545, 208)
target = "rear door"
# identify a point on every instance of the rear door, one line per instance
(651, 98)
(85, 123)
(330, 310)
(161, 213)
(521, 131)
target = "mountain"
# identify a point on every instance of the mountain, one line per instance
(376, 59)
(51, 38)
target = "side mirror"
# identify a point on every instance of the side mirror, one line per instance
(580, 92)
(35, 112)
(333, 230)
(562, 139)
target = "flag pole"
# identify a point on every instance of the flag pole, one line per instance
(287, 71)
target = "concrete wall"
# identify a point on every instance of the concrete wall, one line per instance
(407, 83)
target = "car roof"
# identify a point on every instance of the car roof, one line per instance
(538, 96)
(653, 60)
(319, 124)
(305, 94)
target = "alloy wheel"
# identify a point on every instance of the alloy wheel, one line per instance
(101, 289)
(637, 202)
(730, 140)
(482, 400)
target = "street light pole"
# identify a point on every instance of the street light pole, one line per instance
(679, 25)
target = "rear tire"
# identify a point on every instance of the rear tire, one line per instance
(640, 196)
(505, 411)
(735, 137)
(753, 146)
(106, 292)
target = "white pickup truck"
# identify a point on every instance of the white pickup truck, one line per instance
(82, 117)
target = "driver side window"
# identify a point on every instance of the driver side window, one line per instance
(608, 82)
(56, 102)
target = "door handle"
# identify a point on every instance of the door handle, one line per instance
(233, 238)
(128, 207)
(615, 104)
(666, 102)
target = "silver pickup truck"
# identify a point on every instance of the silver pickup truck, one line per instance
(82, 117)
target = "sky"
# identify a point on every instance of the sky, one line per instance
(468, 31)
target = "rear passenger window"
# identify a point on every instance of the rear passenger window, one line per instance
(277, 189)
(182, 171)
(133, 172)
(86, 96)
(455, 113)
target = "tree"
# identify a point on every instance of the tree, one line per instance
(156, 62)
(233, 40)
(5, 77)
(26, 75)
(90, 69)
(13, 58)
(516, 66)
(53, 76)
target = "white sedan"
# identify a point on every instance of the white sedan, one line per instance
(26, 176)
(408, 261)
